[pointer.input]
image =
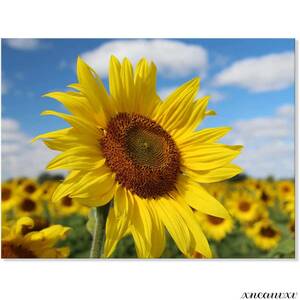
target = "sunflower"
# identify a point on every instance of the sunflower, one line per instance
(264, 234)
(287, 205)
(19, 241)
(67, 206)
(27, 206)
(243, 206)
(286, 189)
(19, 180)
(8, 196)
(267, 194)
(214, 227)
(46, 189)
(27, 187)
(141, 156)
(254, 184)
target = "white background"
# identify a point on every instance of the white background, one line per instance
(155, 279)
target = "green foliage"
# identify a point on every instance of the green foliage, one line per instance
(238, 178)
(47, 176)
(125, 248)
(79, 239)
(235, 245)
(285, 249)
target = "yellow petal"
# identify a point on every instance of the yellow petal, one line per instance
(52, 134)
(66, 187)
(94, 184)
(174, 223)
(99, 200)
(121, 204)
(115, 82)
(158, 239)
(141, 228)
(201, 243)
(214, 175)
(76, 122)
(128, 86)
(198, 198)
(116, 227)
(204, 136)
(21, 223)
(93, 88)
(78, 158)
(209, 156)
(197, 114)
(171, 108)
(210, 112)
(95, 187)
(147, 100)
(76, 104)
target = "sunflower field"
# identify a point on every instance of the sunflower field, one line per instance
(262, 223)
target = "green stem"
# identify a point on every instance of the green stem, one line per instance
(101, 213)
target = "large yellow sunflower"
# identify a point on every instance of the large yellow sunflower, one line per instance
(141, 156)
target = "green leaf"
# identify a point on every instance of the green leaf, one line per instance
(285, 249)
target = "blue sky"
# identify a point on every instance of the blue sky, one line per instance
(251, 82)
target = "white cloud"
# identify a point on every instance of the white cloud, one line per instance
(216, 96)
(268, 142)
(19, 156)
(172, 58)
(5, 85)
(286, 110)
(23, 44)
(166, 91)
(260, 74)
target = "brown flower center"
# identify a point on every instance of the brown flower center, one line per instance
(258, 185)
(215, 220)
(30, 188)
(286, 189)
(67, 201)
(20, 181)
(39, 224)
(198, 255)
(268, 232)
(142, 154)
(9, 250)
(244, 206)
(5, 194)
(28, 205)
(264, 197)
